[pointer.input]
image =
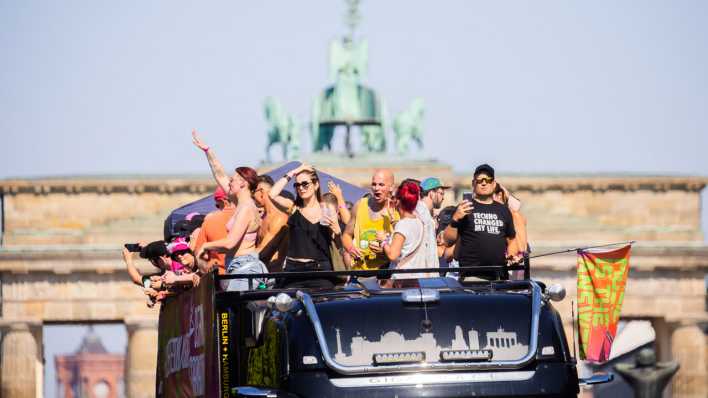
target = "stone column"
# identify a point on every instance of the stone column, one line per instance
(21, 368)
(141, 359)
(688, 346)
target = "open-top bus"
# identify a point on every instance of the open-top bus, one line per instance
(433, 337)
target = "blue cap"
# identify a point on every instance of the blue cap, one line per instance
(431, 183)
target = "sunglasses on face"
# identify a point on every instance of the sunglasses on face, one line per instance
(302, 185)
(484, 180)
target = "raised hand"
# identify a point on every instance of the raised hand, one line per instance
(336, 190)
(198, 142)
(463, 209)
(298, 169)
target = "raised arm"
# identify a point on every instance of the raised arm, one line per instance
(344, 212)
(133, 272)
(216, 168)
(282, 203)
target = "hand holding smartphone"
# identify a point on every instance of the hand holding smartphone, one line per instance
(468, 196)
(133, 247)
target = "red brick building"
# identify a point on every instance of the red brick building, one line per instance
(91, 372)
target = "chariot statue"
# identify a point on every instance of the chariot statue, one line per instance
(348, 102)
(408, 126)
(282, 129)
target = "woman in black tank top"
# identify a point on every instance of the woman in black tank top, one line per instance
(310, 231)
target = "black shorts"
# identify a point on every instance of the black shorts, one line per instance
(307, 266)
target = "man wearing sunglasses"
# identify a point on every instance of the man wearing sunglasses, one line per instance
(484, 227)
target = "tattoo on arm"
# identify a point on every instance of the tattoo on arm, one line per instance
(218, 170)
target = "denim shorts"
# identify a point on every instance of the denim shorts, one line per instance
(244, 264)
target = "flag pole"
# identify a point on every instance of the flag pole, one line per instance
(576, 249)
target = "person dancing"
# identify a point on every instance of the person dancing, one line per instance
(240, 243)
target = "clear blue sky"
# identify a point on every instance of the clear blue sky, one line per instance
(558, 86)
(114, 87)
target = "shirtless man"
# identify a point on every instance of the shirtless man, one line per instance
(272, 237)
(370, 216)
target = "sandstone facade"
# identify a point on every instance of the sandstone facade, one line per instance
(60, 259)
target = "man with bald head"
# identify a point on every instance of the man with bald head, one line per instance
(372, 214)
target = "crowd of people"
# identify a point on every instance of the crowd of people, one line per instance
(259, 228)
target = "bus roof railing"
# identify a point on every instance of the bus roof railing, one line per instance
(378, 273)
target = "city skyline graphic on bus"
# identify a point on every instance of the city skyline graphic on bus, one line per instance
(504, 345)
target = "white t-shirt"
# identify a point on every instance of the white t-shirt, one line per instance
(430, 244)
(412, 230)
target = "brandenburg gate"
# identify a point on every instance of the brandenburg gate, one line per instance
(60, 259)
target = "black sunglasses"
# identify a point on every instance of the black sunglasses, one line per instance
(485, 180)
(303, 184)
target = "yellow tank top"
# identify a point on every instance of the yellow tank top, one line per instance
(365, 232)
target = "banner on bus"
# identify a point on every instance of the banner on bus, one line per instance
(602, 278)
(186, 365)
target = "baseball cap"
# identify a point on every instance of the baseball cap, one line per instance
(445, 218)
(154, 250)
(431, 183)
(484, 168)
(178, 245)
(219, 194)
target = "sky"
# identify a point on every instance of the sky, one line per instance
(104, 87)
(556, 87)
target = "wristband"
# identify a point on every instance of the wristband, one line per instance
(206, 149)
(287, 177)
(342, 207)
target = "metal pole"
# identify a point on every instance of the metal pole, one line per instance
(631, 242)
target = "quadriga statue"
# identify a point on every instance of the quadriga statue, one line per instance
(282, 129)
(348, 102)
(408, 126)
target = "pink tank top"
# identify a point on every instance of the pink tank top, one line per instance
(248, 236)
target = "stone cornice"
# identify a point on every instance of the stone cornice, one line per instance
(203, 185)
(106, 186)
(596, 183)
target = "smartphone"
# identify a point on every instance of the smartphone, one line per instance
(467, 196)
(132, 247)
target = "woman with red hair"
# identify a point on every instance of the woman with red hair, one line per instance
(403, 247)
(240, 243)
